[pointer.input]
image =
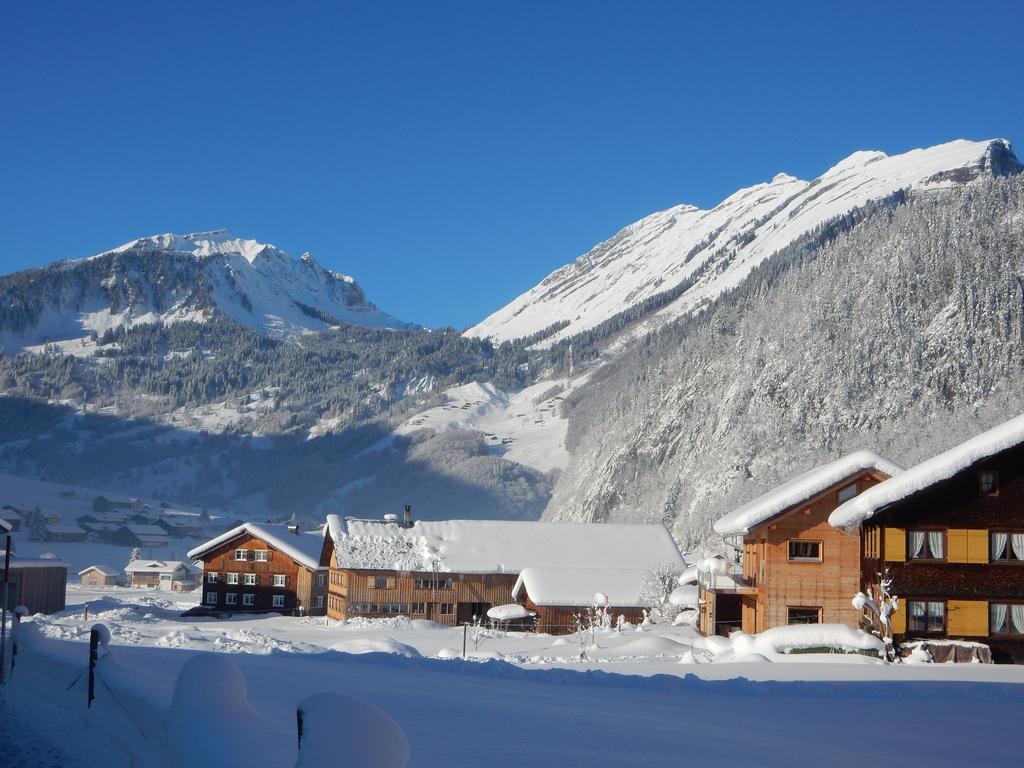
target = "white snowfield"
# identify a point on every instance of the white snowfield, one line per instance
(500, 546)
(934, 470)
(674, 698)
(620, 588)
(801, 488)
(717, 249)
(302, 547)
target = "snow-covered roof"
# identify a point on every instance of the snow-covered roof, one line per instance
(157, 566)
(33, 562)
(929, 472)
(509, 612)
(800, 489)
(106, 570)
(146, 530)
(499, 546)
(304, 548)
(581, 586)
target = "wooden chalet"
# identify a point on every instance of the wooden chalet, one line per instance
(450, 571)
(950, 534)
(257, 568)
(163, 575)
(99, 576)
(796, 567)
(557, 596)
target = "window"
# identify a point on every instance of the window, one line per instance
(318, 601)
(211, 577)
(1006, 619)
(847, 493)
(362, 608)
(805, 551)
(231, 598)
(396, 608)
(926, 545)
(381, 582)
(435, 582)
(988, 482)
(262, 556)
(419, 607)
(232, 578)
(277, 601)
(249, 579)
(248, 599)
(241, 554)
(803, 616)
(321, 579)
(447, 609)
(927, 617)
(1006, 546)
(280, 580)
(211, 598)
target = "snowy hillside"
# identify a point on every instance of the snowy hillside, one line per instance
(170, 278)
(700, 254)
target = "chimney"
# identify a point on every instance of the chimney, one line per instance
(407, 517)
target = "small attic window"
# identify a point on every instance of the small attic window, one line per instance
(988, 482)
(847, 493)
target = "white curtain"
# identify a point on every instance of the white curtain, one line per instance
(916, 543)
(917, 611)
(1017, 612)
(937, 543)
(997, 545)
(1017, 539)
(997, 616)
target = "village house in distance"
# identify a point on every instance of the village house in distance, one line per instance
(260, 567)
(451, 571)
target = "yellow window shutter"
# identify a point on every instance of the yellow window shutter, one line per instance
(977, 546)
(895, 545)
(898, 620)
(967, 618)
(956, 540)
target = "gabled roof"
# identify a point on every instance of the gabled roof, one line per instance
(157, 566)
(303, 548)
(580, 586)
(145, 530)
(800, 489)
(929, 472)
(106, 570)
(499, 546)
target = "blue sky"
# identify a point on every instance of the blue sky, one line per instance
(449, 155)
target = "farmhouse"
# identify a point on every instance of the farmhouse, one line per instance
(797, 568)
(452, 570)
(164, 575)
(37, 583)
(264, 567)
(99, 576)
(950, 534)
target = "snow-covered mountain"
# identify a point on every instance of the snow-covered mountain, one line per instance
(168, 278)
(691, 256)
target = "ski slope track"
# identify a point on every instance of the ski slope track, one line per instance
(716, 250)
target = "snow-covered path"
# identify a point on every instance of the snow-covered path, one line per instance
(36, 734)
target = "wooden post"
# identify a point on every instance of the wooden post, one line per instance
(86, 612)
(94, 643)
(3, 614)
(298, 724)
(465, 631)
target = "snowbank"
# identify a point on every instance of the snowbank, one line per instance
(338, 729)
(800, 637)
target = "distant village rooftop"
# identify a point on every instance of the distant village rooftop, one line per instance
(799, 489)
(929, 472)
(498, 546)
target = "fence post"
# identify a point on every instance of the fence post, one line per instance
(98, 635)
(19, 613)
(3, 614)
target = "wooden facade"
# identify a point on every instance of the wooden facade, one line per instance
(796, 568)
(39, 585)
(95, 576)
(263, 579)
(964, 589)
(563, 619)
(447, 598)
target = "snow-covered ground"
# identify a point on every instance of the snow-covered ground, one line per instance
(526, 426)
(663, 707)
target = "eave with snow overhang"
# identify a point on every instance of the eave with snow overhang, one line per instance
(451, 571)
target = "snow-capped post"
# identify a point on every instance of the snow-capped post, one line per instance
(98, 635)
(367, 735)
(882, 609)
(19, 613)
